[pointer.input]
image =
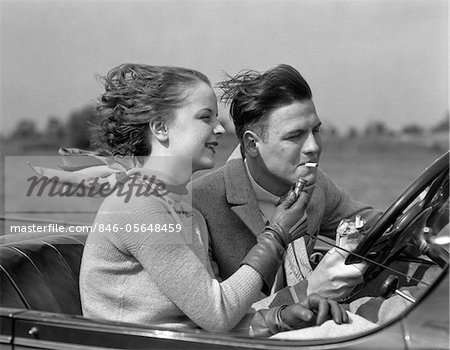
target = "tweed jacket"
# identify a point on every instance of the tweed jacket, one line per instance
(227, 201)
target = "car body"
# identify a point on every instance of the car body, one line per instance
(40, 307)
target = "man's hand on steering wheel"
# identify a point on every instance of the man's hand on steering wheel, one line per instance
(332, 278)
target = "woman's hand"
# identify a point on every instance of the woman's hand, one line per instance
(291, 209)
(313, 311)
(267, 255)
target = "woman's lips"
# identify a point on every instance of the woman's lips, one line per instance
(211, 146)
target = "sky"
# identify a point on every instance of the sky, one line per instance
(365, 60)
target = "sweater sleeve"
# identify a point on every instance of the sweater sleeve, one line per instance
(183, 277)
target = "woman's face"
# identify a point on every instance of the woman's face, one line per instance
(195, 130)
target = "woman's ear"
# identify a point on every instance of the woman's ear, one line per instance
(158, 128)
(250, 142)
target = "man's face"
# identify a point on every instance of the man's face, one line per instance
(292, 139)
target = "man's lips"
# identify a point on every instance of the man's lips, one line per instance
(310, 164)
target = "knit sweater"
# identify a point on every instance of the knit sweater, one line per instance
(133, 270)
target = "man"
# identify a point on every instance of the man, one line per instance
(279, 132)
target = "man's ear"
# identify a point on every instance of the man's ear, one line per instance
(250, 142)
(158, 128)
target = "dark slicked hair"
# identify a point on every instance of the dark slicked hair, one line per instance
(253, 96)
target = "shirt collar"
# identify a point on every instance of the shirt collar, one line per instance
(261, 194)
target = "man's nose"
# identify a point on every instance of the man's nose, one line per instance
(218, 128)
(311, 145)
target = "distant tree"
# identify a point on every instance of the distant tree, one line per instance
(377, 128)
(352, 133)
(78, 126)
(412, 129)
(25, 130)
(55, 129)
(443, 125)
(331, 131)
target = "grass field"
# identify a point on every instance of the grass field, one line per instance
(374, 171)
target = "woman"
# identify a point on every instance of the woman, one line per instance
(147, 259)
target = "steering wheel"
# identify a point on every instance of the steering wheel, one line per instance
(411, 220)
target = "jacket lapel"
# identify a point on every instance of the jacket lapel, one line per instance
(240, 196)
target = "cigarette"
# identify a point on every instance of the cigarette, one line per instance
(299, 185)
(311, 165)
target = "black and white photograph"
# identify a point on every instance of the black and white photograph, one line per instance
(224, 174)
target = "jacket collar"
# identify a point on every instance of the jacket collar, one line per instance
(241, 197)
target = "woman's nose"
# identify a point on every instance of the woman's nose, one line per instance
(218, 128)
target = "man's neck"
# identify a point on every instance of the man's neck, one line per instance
(262, 177)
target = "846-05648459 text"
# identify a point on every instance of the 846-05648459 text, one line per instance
(138, 227)
(57, 228)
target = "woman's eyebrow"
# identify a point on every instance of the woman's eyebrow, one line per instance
(207, 109)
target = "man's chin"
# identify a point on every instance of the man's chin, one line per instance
(310, 178)
(309, 188)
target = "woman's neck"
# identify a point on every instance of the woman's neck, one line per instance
(178, 170)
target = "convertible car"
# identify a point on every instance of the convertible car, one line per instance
(406, 251)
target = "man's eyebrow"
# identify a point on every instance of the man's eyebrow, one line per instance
(300, 129)
(294, 132)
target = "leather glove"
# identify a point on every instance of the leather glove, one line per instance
(266, 256)
(311, 311)
(286, 216)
